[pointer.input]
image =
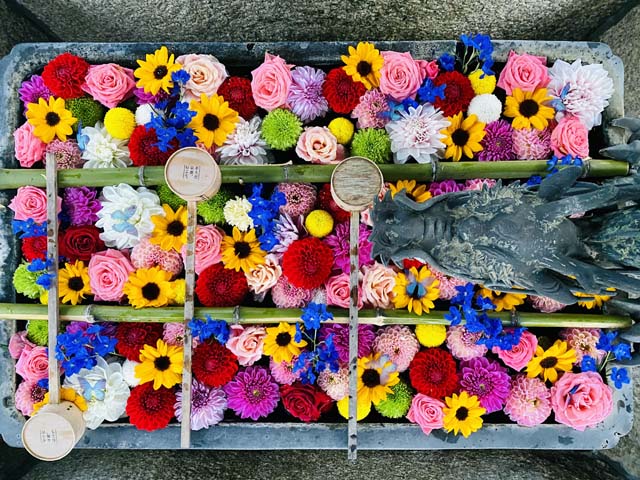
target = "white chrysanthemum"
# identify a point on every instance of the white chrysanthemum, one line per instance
(105, 390)
(129, 373)
(126, 215)
(236, 213)
(245, 145)
(588, 92)
(417, 134)
(144, 113)
(101, 150)
(487, 107)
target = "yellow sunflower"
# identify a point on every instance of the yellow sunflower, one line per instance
(161, 365)
(363, 64)
(154, 73)
(416, 290)
(593, 301)
(463, 414)
(547, 362)
(214, 120)
(149, 287)
(502, 301)
(170, 230)
(463, 136)
(73, 282)
(242, 251)
(529, 109)
(376, 375)
(417, 193)
(280, 343)
(50, 119)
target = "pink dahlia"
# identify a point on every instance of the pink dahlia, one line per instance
(28, 393)
(370, 111)
(546, 304)
(366, 337)
(67, 154)
(207, 405)
(399, 343)
(339, 243)
(583, 341)
(486, 379)
(447, 284)
(497, 144)
(305, 94)
(463, 344)
(532, 144)
(300, 197)
(282, 372)
(335, 384)
(479, 183)
(252, 393)
(285, 295)
(173, 334)
(528, 402)
(147, 255)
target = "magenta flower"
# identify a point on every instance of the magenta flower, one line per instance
(446, 186)
(497, 144)
(252, 393)
(81, 205)
(33, 89)
(366, 337)
(486, 379)
(305, 94)
(339, 243)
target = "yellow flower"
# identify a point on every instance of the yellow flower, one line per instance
(463, 137)
(120, 123)
(280, 343)
(342, 129)
(431, 335)
(463, 414)
(548, 362)
(170, 231)
(502, 301)
(594, 300)
(73, 282)
(161, 365)
(50, 119)
(149, 287)
(362, 409)
(482, 83)
(529, 109)
(319, 223)
(154, 73)
(214, 120)
(417, 193)
(66, 394)
(242, 251)
(376, 375)
(179, 288)
(364, 64)
(416, 290)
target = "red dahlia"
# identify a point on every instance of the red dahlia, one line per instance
(307, 263)
(407, 263)
(457, 94)
(64, 75)
(342, 93)
(328, 204)
(220, 287)
(433, 372)
(34, 247)
(213, 364)
(133, 336)
(237, 91)
(150, 409)
(143, 150)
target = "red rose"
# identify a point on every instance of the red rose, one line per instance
(306, 402)
(79, 243)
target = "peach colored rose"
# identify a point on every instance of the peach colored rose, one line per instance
(526, 72)
(264, 276)
(426, 412)
(33, 364)
(400, 76)
(207, 74)
(246, 343)
(319, 145)
(377, 285)
(270, 83)
(337, 288)
(29, 149)
(581, 400)
(518, 357)
(570, 137)
(17, 343)
(31, 202)
(109, 83)
(208, 240)
(108, 272)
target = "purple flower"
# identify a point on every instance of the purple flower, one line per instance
(142, 97)
(207, 405)
(33, 89)
(339, 243)
(81, 205)
(497, 144)
(446, 186)
(486, 379)
(366, 337)
(305, 95)
(252, 393)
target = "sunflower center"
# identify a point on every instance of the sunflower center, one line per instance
(549, 362)
(52, 119)
(529, 108)
(460, 137)
(211, 122)
(151, 291)
(160, 72)
(162, 363)
(371, 378)
(363, 68)
(175, 228)
(76, 283)
(462, 413)
(242, 249)
(283, 339)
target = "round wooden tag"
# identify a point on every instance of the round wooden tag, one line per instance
(355, 183)
(193, 174)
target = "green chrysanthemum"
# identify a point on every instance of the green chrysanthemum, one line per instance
(372, 143)
(212, 210)
(24, 282)
(397, 404)
(86, 110)
(37, 332)
(167, 196)
(281, 129)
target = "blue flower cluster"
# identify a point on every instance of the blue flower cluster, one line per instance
(447, 62)
(45, 278)
(618, 350)
(428, 92)
(554, 162)
(28, 228)
(207, 328)
(80, 350)
(482, 47)
(264, 213)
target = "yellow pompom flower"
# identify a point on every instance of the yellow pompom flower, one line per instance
(480, 84)
(154, 73)
(280, 343)
(592, 301)
(417, 193)
(214, 120)
(463, 137)
(363, 64)
(463, 414)
(73, 282)
(242, 251)
(416, 290)
(161, 365)
(66, 395)
(342, 129)
(179, 288)
(502, 301)
(319, 223)
(50, 119)
(170, 229)
(529, 109)
(431, 335)
(149, 287)
(376, 375)
(547, 363)
(120, 123)
(362, 409)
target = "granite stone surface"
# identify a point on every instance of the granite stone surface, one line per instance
(14, 28)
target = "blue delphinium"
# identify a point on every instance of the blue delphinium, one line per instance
(42, 266)
(622, 351)
(588, 364)
(207, 328)
(428, 92)
(264, 213)
(534, 180)
(480, 47)
(28, 228)
(81, 349)
(605, 342)
(619, 377)
(554, 162)
(447, 62)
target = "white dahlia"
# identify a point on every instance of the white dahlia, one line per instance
(245, 145)
(101, 150)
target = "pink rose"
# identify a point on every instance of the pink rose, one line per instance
(570, 137)
(108, 272)
(208, 240)
(319, 145)
(270, 82)
(109, 83)
(207, 74)
(31, 202)
(518, 357)
(264, 276)
(581, 400)
(426, 412)
(29, 148)
(338, 291)
(428, 69)
(526, 72)
(377, 285)
(400, 76)
(33, 364)
(246, 343)
(17, 343)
